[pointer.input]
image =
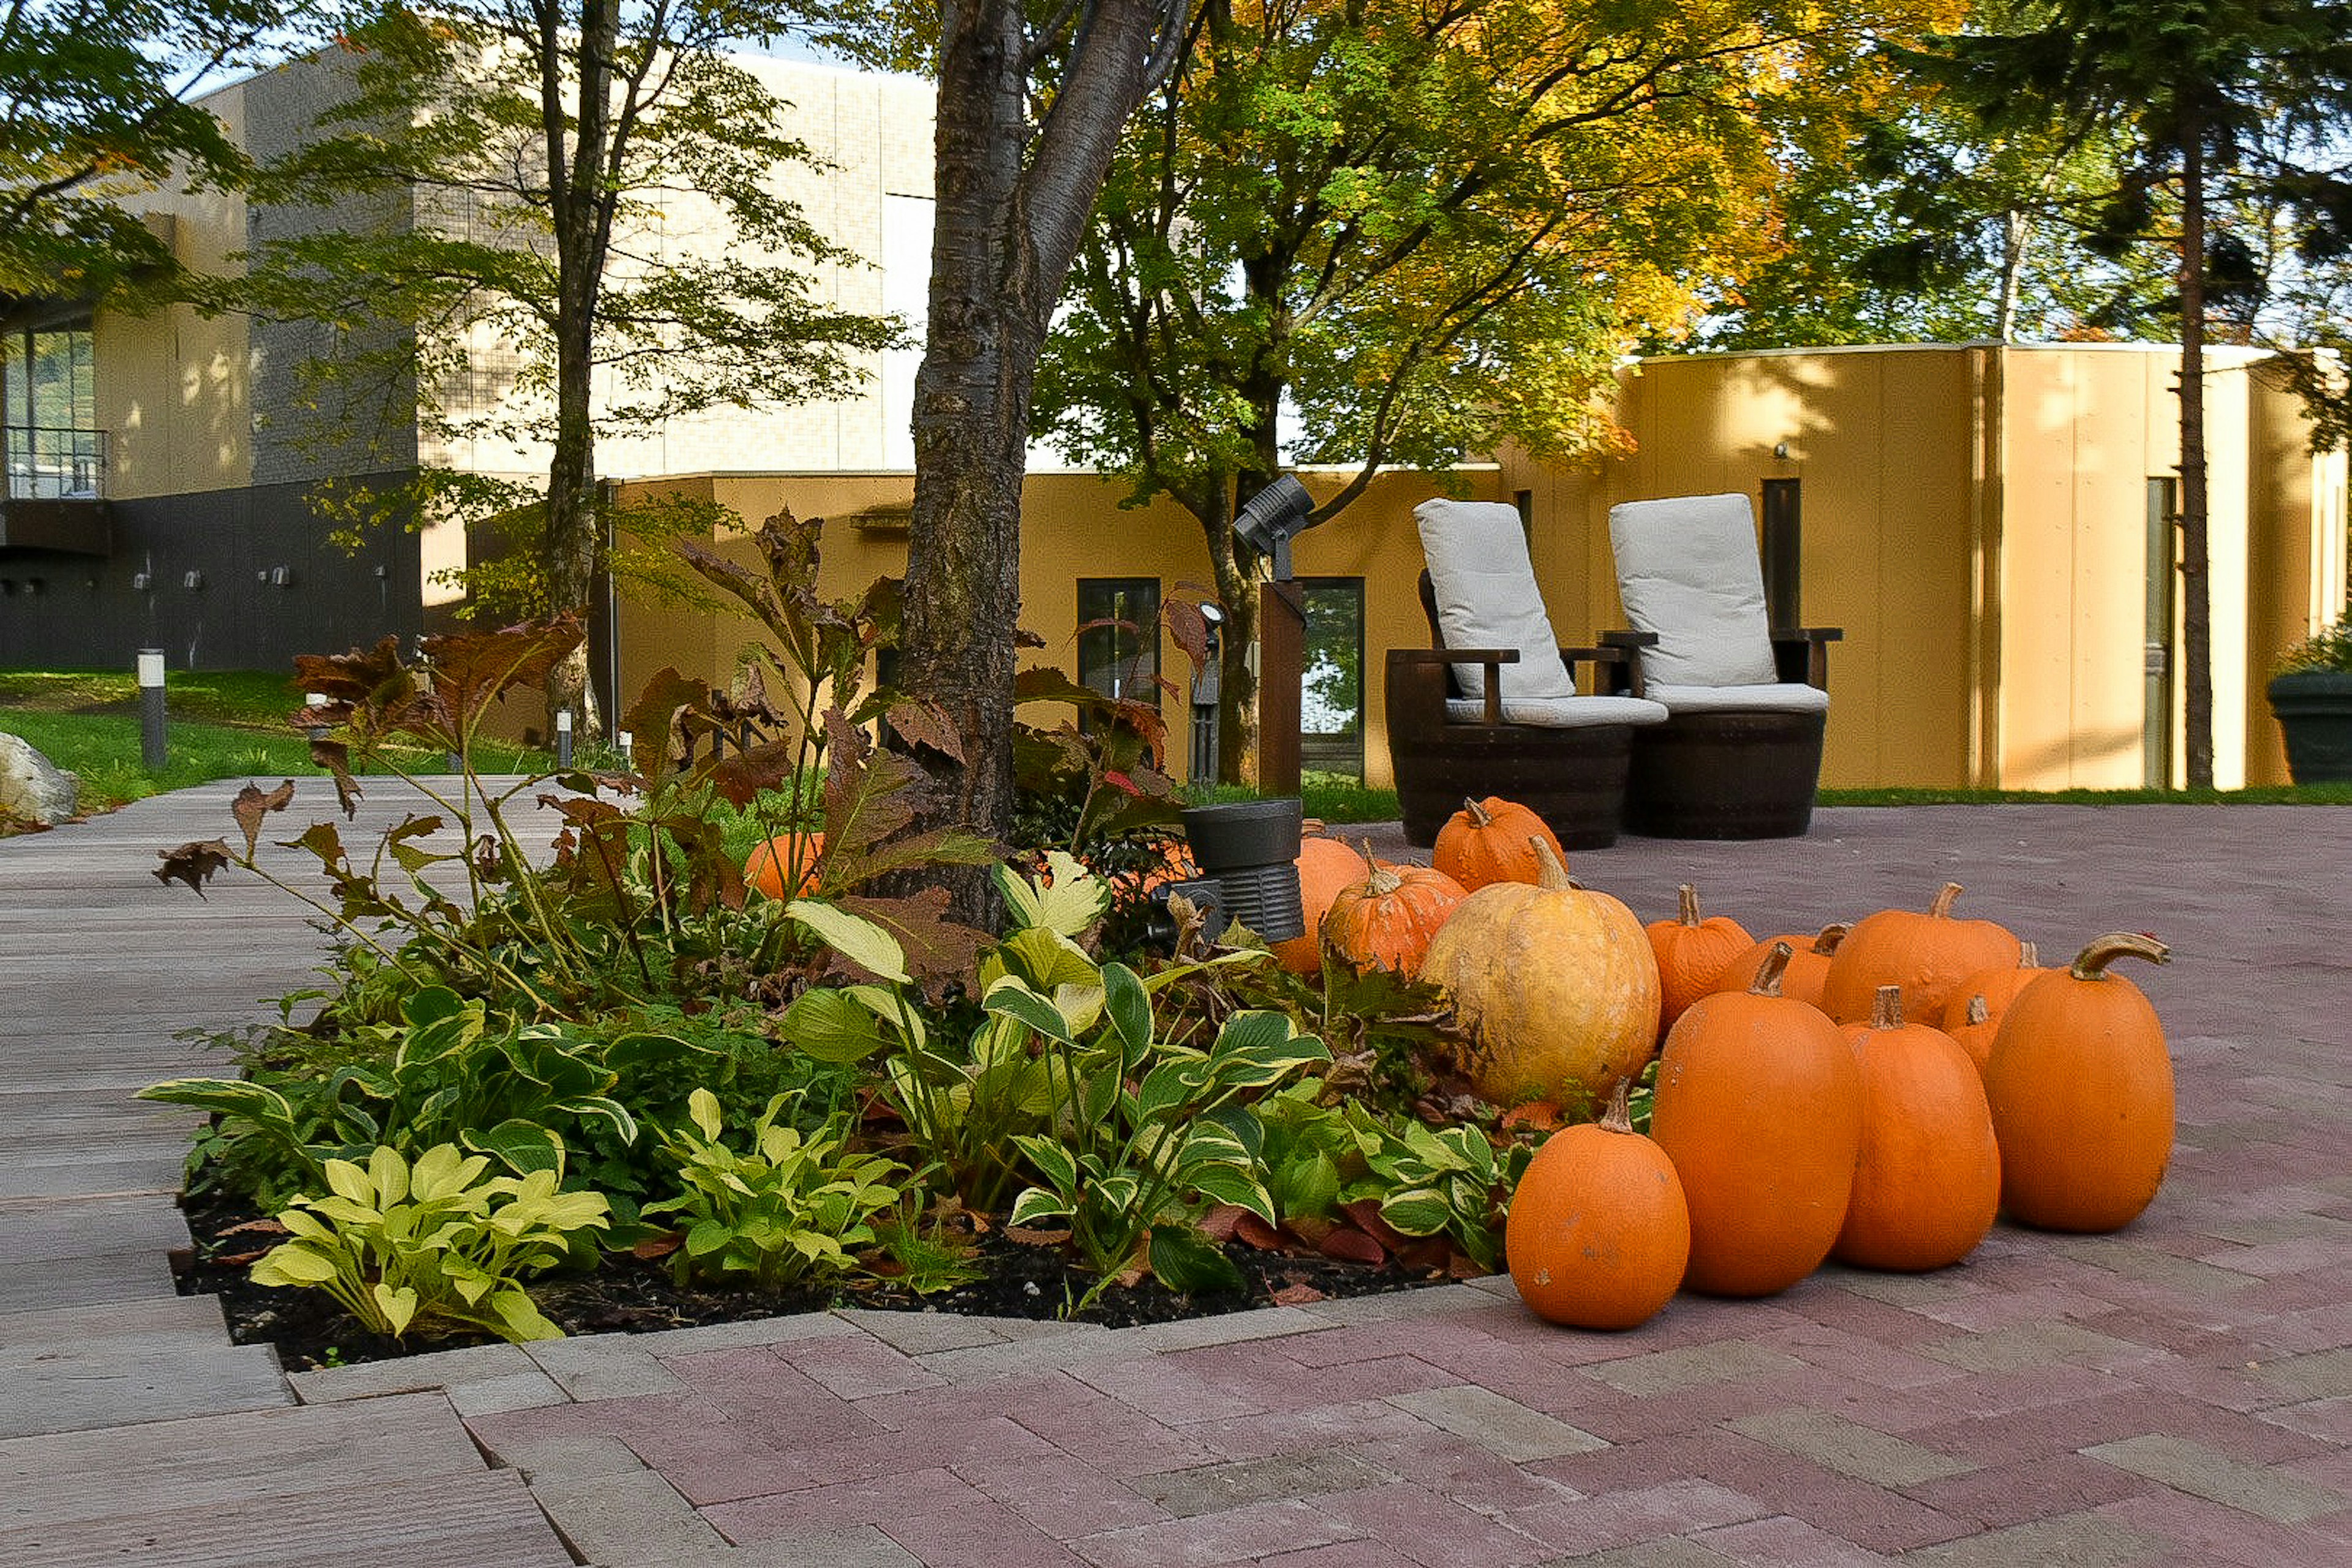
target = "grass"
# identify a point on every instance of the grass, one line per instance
(2262, 794)
(218, 725)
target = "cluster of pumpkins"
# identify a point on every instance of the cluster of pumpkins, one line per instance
(1876, 1092)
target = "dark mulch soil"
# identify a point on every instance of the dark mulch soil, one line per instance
(631, 1295)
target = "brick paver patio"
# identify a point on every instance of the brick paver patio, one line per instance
(2179, 1393)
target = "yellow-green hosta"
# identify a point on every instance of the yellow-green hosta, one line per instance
(432, 1247)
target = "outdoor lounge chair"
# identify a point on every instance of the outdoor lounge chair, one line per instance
(1741, 756)
(1491, 708)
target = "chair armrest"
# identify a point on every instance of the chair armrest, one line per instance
(1802, 653)
(1493, 658)
(1623, 645)
(1610, 667)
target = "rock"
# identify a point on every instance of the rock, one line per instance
(31, 790)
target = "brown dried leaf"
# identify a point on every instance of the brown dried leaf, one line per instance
(1027, 1237)
(1366, 1213)
(1299, 1295)
(336, 758)
(1218, 1224)
(1259, 1234)
(473, 670)
(252, 807)
(938, 951)
(352, 680)
(921, 722)
(193, 863)
(1536, 1116)
(651, 1248)
(1352, 1247)
(741, 776)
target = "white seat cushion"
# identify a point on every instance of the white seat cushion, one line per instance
(1687, 570)
(1781, 697)
(1486, 595)
(1560, 712)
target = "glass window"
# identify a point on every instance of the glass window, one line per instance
(1331, 694)
(48, 404)
(1119, 637)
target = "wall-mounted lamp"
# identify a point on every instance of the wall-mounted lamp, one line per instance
(1781, 450)
(281, 576)
(141, 581)
(193, 579)
(35, 586)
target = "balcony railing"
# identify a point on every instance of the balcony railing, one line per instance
(54, 463)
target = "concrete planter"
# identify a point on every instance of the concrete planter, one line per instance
(2314, 714)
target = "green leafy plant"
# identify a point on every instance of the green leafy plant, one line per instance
(432, 1248)
(2329, 648)
(788, 1208)
(1450, 1181)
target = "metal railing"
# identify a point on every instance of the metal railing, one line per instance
(48, 462)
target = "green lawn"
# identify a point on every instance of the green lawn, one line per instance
(218, 725)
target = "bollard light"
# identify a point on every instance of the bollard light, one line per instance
(563, 738)
(151, 708)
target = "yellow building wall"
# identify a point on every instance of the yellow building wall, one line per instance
(174, 386)
(1072, 527)
(1974, 520)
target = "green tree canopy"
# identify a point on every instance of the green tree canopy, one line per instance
(1421, 231)
(539, 226)
(98, 100)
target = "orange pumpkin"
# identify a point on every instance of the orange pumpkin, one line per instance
(1598, 1233)
(1975, 1035)
(770, 862)
(1553, 985)
(1999, 988)
(1809, 964)
(1386, 921)
(2081, 1089)
(1928, 1183)
(1693, 954)
(1325, 866)
(1759, 1107)
(1492, 840)
(1929, 956)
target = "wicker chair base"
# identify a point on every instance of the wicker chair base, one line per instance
(1726, 775)
(1573, 779)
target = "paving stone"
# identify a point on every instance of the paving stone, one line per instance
(1850, 1449)
(1493, 1422)
(1213, 1539)
(922, 1333)
(1428, 1529)
(1192, 1333)
(984, 1532)
(2192, 1468)
(1063, 1495)
(1671, 1371)
(749, 1333)
(52, 1389)
(1672, 1552)
(1623, 1517)
(163, 1321)
(2077, 1541)
(634, 1519)
(1216, 1488)
(571, 1458)
(408, 1374)
(602, 1366)
(1781, 1542)
(2033, 1346)
(859, 1368)
(864, 1547)
(1427, 1300)
(2323, 1375)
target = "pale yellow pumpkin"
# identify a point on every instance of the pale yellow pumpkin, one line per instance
(1554, 986)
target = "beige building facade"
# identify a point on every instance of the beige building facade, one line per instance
(1994, 527)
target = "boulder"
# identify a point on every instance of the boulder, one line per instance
(31, 790)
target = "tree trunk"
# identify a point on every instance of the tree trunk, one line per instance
(1012, 201)
(570, 548)
(2196, 592)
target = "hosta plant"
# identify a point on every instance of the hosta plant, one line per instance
(432, 1248)
(787, 1209)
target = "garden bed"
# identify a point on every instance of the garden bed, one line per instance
(1015, 1279)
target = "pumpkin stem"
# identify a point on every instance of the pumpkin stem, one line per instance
(1831, 937)
(1549, 871)
(1378, 880)
(2091, 964)
(1978, 1008)
(1886, 1007)
(1619, 1117)
(1768, 973)
(1479, 815)
(1689, 896)
(1940, 907)
(2028, 956)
